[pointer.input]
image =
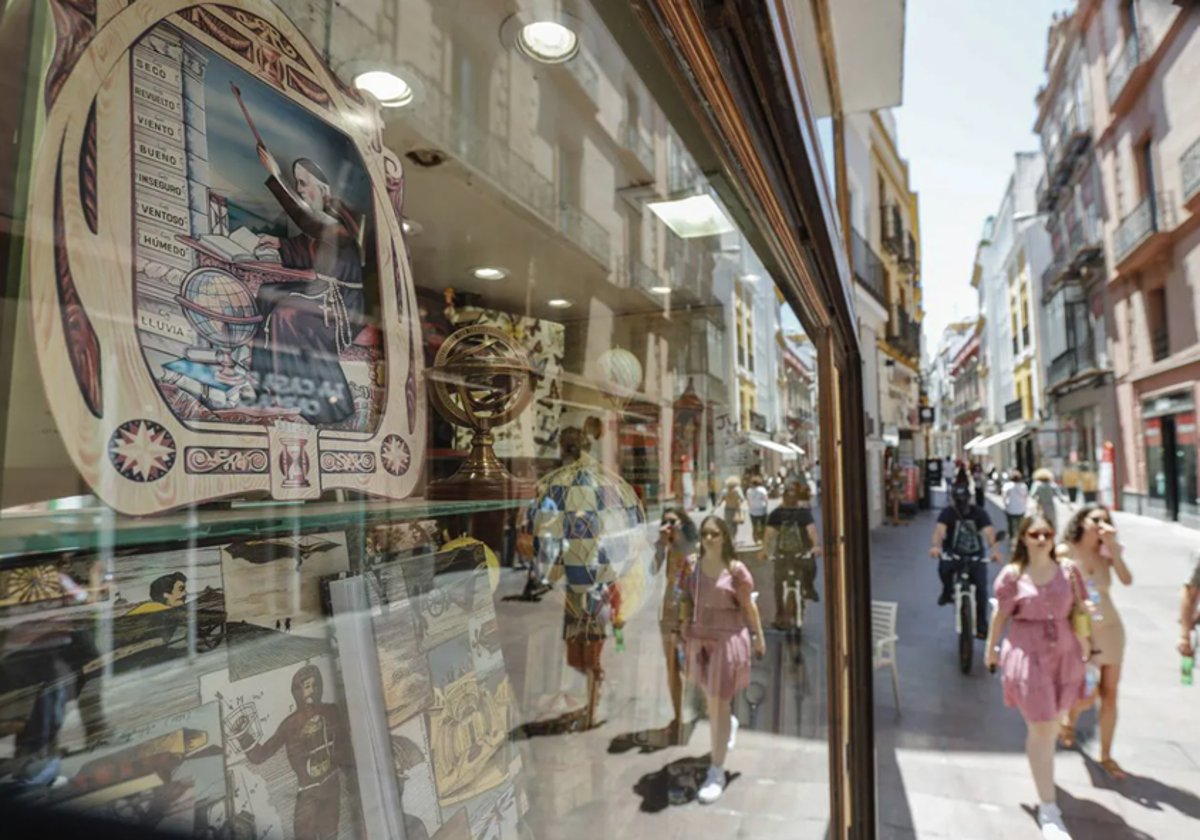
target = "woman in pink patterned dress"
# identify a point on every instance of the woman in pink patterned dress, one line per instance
(718, 639)
(1042, 661)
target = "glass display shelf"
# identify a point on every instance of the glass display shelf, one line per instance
(98, 528)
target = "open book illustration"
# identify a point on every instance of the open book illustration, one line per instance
(239, 246)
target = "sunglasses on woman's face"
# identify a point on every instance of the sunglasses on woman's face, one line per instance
(1040, 536)
(1099, 520)
(670, 523)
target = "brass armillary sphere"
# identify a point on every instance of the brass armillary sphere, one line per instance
(481, 379)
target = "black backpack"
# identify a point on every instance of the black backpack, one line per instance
(966, 541)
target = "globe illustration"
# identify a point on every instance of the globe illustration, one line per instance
(223, 313)
(219, 306)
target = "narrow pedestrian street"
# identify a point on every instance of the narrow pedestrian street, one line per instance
(953, 763)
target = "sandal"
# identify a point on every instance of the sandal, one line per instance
(1113, 769)
(1066, 736)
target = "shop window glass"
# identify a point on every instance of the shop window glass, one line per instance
(372, 390)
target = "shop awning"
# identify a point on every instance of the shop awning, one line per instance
(786, 451)
(971, 445)
(989, 442)
(799, 451)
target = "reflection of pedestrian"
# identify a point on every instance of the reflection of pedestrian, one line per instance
(733, 501)
(287, 624)
(277, 624)
(677, 539)
(757, 499)
(52, 663)
(722, 616)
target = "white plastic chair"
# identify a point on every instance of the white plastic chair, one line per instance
(883, 641)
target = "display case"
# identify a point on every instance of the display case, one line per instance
(371, 378)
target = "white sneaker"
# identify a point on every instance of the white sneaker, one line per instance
(713, 787)
(733, 728)
(1051, 822)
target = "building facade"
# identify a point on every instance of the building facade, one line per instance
(1143, 59)
(884, 243)
(1079, 392)
(1015, 250)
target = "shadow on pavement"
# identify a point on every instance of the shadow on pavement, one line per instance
(675, 784)
(1087, 819)
(1145, 791)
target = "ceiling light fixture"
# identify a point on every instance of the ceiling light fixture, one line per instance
(692, 217)
(544, 34)
(750, 278)
(489, 272)
(661, 290)
(548, 42)
(391, 90)
(559, 303)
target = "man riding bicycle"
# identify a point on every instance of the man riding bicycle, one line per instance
(962, 529)
(791, 541)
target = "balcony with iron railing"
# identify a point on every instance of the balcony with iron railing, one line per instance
(868, 267)
(583, 70)
(639, 145)
(891, 231)
(586, 232)
(438, 117)
(1014, 411)
(907, 258)
(1072, 139)
(646, 280)
(1127, 71)
(1144, 233)
(1071, 364)
(1189, 168)
(1160, 343)
(904, 335)
(1085, 245)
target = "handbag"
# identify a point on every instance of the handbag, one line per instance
(1081, 619)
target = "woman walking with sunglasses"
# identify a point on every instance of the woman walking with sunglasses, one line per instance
(1042, 661)
(1092, 546)
(723, 615)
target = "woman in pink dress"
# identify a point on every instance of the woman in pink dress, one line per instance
(717, 634)
(1042, 661)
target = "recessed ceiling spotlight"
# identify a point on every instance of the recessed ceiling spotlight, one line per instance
(750, 278)
(548, 41)
(559, 303)
(393, 85)
(545, 36)
(387, 87)
(489, 272)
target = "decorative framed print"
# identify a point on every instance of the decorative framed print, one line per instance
(221, 293)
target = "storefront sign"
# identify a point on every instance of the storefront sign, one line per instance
(232, 349)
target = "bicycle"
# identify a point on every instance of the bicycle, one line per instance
(793, 601)
(965, 604)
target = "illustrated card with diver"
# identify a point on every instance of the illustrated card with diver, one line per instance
(288, 752)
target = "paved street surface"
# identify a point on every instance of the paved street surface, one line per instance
(614, 781)
(953, 764)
